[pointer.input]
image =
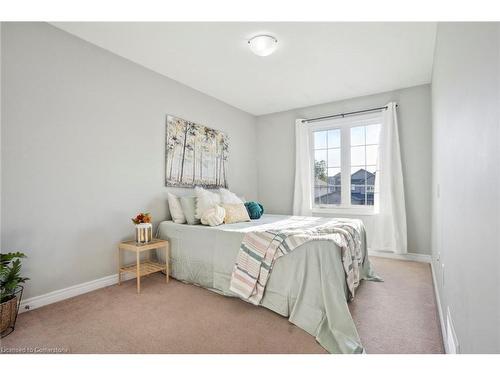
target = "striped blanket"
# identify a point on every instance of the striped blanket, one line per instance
(260, 249)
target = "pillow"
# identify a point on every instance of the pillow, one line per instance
(228, 197)
(255, 210)
(213, 216)
(235, 213)
(188, 205)
(176, 209)
(205, 200)
(168, 216)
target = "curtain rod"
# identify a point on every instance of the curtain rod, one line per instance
(344, 114)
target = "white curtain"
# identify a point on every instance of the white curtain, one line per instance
(389, 223)
(302, 192)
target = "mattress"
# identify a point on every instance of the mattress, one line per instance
(307, 286)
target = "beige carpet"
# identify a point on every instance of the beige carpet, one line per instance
(397, 316)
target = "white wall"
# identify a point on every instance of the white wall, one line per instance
(83, 135)
(466, 144)
(276, 156)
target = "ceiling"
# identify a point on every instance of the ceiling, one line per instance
(315, 62)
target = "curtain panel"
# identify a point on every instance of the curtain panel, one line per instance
(302, 192)
(389, 224)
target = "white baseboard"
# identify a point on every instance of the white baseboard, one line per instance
(424, 258)
(440, 310)
(72, 291)
(451, 335)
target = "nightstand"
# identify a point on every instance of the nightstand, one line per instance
(146, 267)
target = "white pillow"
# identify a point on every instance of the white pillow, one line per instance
(205, 200)
(213, 216)
(228, 197)
(174, 204)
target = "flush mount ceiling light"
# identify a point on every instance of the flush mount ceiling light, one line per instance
(263, 45)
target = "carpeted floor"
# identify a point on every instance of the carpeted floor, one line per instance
(396, 316)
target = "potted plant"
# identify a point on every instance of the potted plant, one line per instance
(11, 290)
(143, 228)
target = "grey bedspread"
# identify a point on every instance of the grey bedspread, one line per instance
(308, 285)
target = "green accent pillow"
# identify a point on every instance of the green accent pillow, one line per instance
(188, 205)
(255, 210)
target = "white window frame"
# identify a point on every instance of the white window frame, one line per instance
(344, 124)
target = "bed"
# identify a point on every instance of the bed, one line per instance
(308, 285)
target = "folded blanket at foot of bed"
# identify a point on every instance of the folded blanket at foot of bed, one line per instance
(260, 249)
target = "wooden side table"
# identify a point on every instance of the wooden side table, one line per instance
(146, 267)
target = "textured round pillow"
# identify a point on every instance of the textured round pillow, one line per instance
(255, 210)
(213, 216)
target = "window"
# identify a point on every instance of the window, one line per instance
(344, 153)
(327, 176)
(364, 152)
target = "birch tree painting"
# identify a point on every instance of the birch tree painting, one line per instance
(195, 155)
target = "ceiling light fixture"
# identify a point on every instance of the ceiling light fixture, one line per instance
(263, 45)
